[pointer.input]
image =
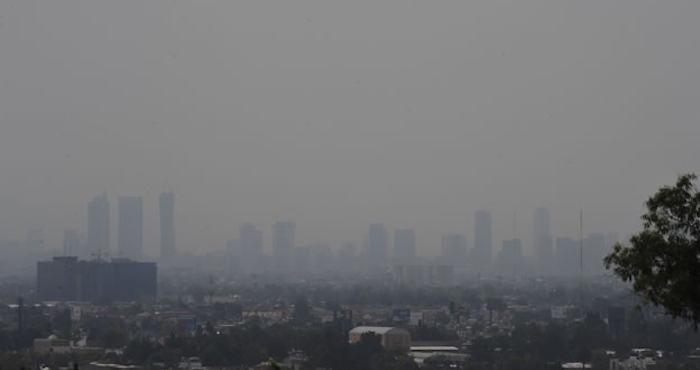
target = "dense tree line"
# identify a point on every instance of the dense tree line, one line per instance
(323, 346)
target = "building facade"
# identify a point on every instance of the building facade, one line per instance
(66, 279)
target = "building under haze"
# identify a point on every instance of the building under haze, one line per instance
(283, 244)
(131, 227)
(482, 241)
(542, 241)
(377, 245)
(67, 279)
(98, 227)
(404, 246)
(167, 226)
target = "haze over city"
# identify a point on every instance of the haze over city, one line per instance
(338, 115)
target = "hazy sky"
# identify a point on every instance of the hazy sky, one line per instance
(337, 114)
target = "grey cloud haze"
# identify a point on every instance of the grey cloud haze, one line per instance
(338, 114)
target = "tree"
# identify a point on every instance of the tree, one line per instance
(663, 261)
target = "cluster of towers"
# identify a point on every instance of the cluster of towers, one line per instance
(129, 229)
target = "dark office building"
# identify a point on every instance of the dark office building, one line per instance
(67, 279)
(58, 280)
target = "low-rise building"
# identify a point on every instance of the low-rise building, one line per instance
(392, 338)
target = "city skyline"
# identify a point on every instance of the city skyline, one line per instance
(404, 244)
(307, 121)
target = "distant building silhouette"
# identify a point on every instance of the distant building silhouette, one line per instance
(68, 279)
(167, 226)
(483, 248)
(98, 227)
(283, 244)
(404, 246)
(542, 241)
(131, 227)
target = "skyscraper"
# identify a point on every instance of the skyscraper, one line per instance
(283, 243)
(482, 240)
(131, 227)
(98, 227)
(404, 246)
(542, 240)
(167, 226)
(377, 245)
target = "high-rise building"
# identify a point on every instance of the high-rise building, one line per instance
(98, 227)
(131, 227)
(542, 240)
(404, 246)
(167, 226)
(482, 240)
(377, 245)
(283, 243)
(454, 249)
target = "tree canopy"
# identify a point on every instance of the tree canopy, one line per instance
(663, 260)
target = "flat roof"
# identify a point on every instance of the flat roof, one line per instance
(434, 349)
(380, 330)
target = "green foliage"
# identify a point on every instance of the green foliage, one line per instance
(392, 361)
(302, 311)
(663, 261)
